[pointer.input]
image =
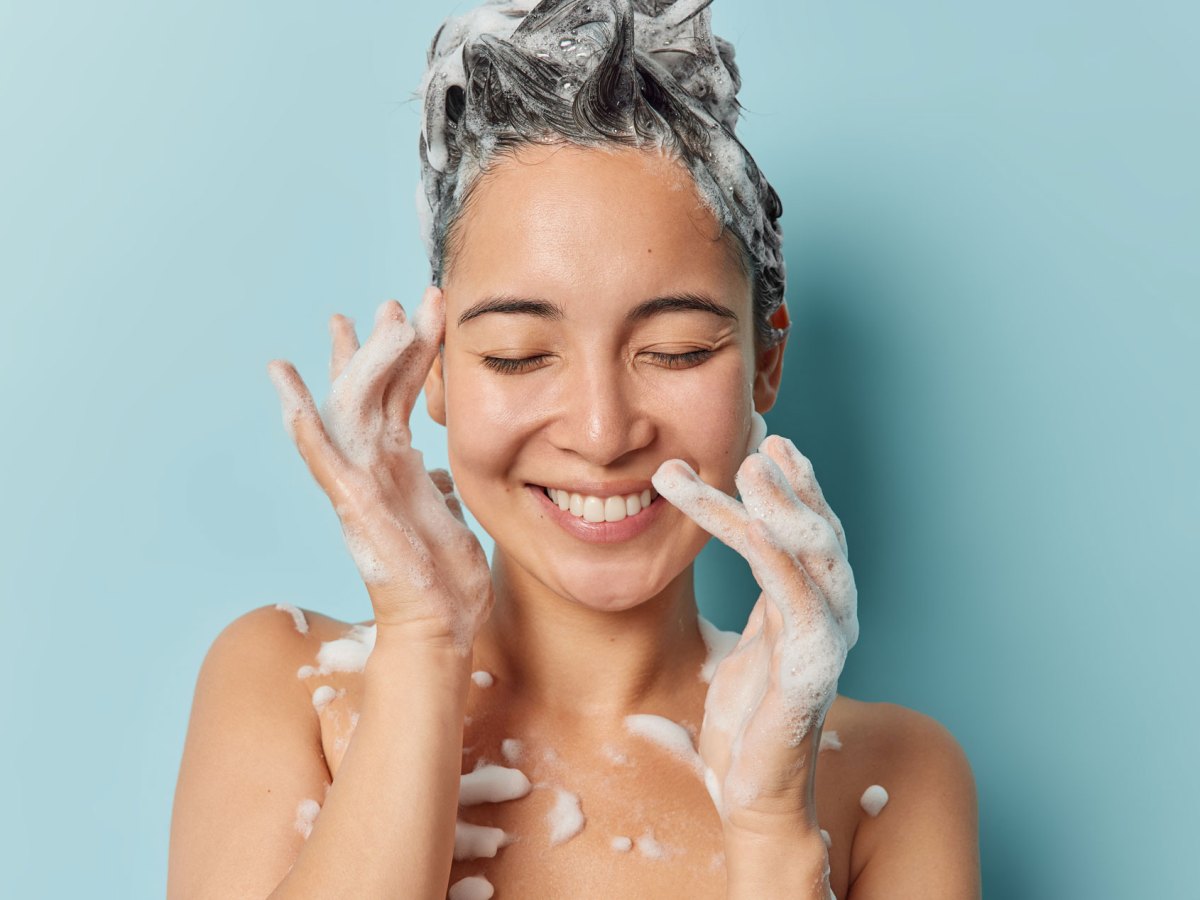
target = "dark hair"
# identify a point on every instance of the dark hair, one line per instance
(592, 73)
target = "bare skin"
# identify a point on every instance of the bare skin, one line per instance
(577, 635)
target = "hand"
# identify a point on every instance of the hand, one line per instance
(775, 687)
(423, 568)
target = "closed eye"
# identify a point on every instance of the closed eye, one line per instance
(512, 366)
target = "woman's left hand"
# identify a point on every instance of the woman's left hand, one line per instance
(768, 698)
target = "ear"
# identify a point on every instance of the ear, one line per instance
(435, 391)
(769, 368)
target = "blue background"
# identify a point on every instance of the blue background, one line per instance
(991, 231)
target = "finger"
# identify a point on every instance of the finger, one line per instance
(792, 601)
(306, 429)
(712, 509)
(358, 392)
(345, 343)
(809, 537)
(441, 478)
(798, 470)
(429, 326)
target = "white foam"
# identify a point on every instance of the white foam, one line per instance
(348, 653)
(473, 887)
(492, 784)
(511, 749)
(322, 696)
(676, 39)
(566, 818)
(874, 799)
(478, 841)
(719, 643)
(306, 672)
(830, 741)
(827, 839)
(813, 620)
(669, 735)
(621, 844)
(615, 756)
(650, 847)
(296, 614)
(306, 815)
(482, 678)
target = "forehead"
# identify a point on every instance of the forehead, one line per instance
(614, 224)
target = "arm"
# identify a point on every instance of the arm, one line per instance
(387, 826)
(253, 754)
(925, 842)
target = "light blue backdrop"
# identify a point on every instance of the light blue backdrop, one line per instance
(991, 230)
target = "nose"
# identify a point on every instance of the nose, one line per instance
(602, 419)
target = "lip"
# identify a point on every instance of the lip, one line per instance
(599, 532)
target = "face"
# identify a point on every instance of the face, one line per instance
(597, 324)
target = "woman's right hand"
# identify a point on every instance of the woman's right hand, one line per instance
(425, 571)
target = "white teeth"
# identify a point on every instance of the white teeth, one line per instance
(601, 509)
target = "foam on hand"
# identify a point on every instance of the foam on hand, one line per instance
(719, 643)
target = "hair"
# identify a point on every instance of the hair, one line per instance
(594, 73)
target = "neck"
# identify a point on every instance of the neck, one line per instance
(575, 661)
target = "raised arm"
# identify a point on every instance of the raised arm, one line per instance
(386, 827)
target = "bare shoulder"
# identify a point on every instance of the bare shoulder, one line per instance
(252, 762)
(918, 827)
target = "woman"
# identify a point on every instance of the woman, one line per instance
(605, 328)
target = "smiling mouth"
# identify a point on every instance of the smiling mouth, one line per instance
(592, 508)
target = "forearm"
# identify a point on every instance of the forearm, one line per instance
(387, 825)
(792, 864)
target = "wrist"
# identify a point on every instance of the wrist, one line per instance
(777, 859)
(415, 651)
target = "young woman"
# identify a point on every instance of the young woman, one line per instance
(605, 328)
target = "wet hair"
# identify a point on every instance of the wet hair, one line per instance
(647, 74)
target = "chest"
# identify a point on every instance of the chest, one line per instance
(608, 814)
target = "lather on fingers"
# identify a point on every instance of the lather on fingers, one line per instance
(798, 470)
(712, 509)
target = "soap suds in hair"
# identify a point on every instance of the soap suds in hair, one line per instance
(296, 614)
(874, 799)
(306, 815)
(473, 887)
(647, 73)
(566, 818)
(492, 784)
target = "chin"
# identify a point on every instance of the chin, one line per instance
(610, 587)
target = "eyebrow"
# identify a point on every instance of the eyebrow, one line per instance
(544, 309)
